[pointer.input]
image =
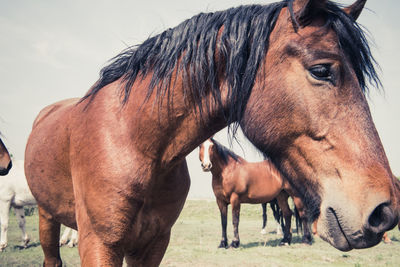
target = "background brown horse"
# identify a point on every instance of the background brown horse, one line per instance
(292, 74)
(236, 181)
(5, 159)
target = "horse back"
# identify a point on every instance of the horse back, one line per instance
(263, 183)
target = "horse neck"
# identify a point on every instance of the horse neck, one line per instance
(167, 131)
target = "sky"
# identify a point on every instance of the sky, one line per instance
(52, 50)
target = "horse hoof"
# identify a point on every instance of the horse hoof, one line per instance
(223, 244)
(235, 244)
(2, 246)
(26, 242)
(306, 241)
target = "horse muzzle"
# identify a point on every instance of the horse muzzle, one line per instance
(206, 167)
(338, 227)
(5, 171)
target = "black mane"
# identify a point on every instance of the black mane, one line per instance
(224, 152)
(190, 48)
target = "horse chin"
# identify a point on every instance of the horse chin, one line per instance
(330, 230)
(206, 169)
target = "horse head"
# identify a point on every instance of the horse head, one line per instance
(205, 154)
(308, 112)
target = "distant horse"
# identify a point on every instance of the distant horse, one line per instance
(292, 74)
(5, 159)
(14, 192)
(236, 181)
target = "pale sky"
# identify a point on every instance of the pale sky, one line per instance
(52, 50)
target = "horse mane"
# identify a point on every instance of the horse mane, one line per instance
(224, 152)
(190, 49)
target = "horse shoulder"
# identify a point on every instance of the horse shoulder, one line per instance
(241, 173)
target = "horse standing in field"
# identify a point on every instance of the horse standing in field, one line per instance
(292, 74)
(236, 181)
(5, 159)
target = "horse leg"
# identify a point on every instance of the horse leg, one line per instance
(386, 238)
(314, 228)
(73, 242)
(49, 234)
(20, 213)
(64, 237)
(92, 250)
(307, 238)
(264, 216)
(223, 208)
(151, 254)
(235, 220)
(282, 199)
(4, 213)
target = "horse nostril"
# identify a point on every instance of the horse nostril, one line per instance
(381, 219)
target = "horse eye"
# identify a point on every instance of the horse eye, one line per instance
(321, 72)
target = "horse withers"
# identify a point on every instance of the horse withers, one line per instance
(292, 74)
(5, 159)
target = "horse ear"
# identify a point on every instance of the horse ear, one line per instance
(355, 9)
(305, 10)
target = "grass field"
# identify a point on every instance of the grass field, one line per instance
(196, 235)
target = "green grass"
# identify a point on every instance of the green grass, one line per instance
(197, 233)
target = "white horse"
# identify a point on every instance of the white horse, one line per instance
(14, 192)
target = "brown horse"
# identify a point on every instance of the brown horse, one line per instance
(236, 181)
(291, 74)
(5, 159)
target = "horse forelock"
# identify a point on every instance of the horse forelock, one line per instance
(190, 49)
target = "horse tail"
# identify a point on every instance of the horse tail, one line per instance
(299, 221)
(277, 212)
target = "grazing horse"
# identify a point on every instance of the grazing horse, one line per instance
(236, 181)
(14, 192)
(292, 74)
(5, 159)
